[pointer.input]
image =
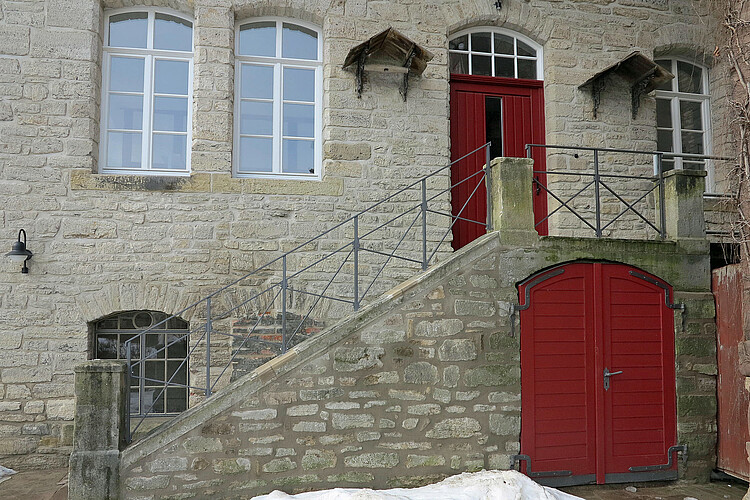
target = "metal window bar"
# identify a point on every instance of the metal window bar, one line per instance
(353, 248)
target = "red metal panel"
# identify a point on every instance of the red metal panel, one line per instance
(523, 123)
(591, 317)
(733, 398)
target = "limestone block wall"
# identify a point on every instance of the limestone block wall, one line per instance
(104, 244)
(422, 384)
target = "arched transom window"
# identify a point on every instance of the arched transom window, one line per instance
(278, 99)
(495, 52)
(146, 93)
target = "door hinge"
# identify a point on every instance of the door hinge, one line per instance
(672, 449)
(550, 473)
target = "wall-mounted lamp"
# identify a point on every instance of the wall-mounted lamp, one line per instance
(19, 253)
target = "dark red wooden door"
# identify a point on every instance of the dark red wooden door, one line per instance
(581, 320)
(733, 398)
(510, 114)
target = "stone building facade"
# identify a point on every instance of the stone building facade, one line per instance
(164, 232)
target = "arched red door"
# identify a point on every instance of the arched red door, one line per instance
(597, 375)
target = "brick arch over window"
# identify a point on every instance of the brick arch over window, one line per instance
(117, 297)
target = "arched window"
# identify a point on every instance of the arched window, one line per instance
(148, 390)
(147, 93)
(278, 97)
(495, 52)
(682, 114)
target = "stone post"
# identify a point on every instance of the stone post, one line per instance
(99, 435)
(683, 203)
(513, 199)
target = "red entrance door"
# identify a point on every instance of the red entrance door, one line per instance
(510, 114)
(597, 375)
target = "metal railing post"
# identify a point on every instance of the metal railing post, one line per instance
(528, 151)
(355, 244)
(662, 213)
(284, 286)
(488, 186)
(127, 399)
(142, 375)
(424, 224)
(596, 195)
(209, 326)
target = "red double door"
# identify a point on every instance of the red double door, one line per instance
(597, 375)
(510, 114)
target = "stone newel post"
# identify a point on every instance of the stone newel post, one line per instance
(513, 199)
(683, 203)
(99, 435)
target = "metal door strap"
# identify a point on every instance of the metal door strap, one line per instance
(527, 299)
(672, 449)
(525, 458)
(667, 298)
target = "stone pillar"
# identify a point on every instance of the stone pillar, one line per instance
(511, 189)
(683, 203)
(99, 434)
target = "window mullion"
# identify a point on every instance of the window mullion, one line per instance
(676, 131)
(148, 97)
(277, 107)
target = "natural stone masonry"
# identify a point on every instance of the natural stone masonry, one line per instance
(109, 243)
(441, 397)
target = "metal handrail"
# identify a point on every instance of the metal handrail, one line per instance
(597, 182)
(281, 288)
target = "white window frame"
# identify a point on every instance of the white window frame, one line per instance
(150, 55)
(278, 64)
(674, 96)
(501, 31)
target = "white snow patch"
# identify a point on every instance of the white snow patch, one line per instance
(5, 473)
(484, 485)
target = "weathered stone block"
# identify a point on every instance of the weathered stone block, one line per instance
(454, 428)
(198, 445)
(482, 309)
(230, 466)
(505, 425)
(424, 461)
(439, 328)
(349, 359)
(421, 373)
(319, 459)
(349, 421)
(378, 460)
(457, 350)
(492, 376)
(279, 465)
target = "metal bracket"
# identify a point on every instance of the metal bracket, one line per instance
(672, 449)
(596, 93)
(527, 298)
(667, 298)
(551, 473)
(360, 73)
(638, 89)
(405, 83)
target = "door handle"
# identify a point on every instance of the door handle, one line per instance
(608, 374)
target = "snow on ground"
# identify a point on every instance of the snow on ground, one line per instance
(484, 485)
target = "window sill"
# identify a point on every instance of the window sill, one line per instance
(83, 179)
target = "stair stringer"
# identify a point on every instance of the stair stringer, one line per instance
(205, 448)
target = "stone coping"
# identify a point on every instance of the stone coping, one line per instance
(204, 182)
(102, 366)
